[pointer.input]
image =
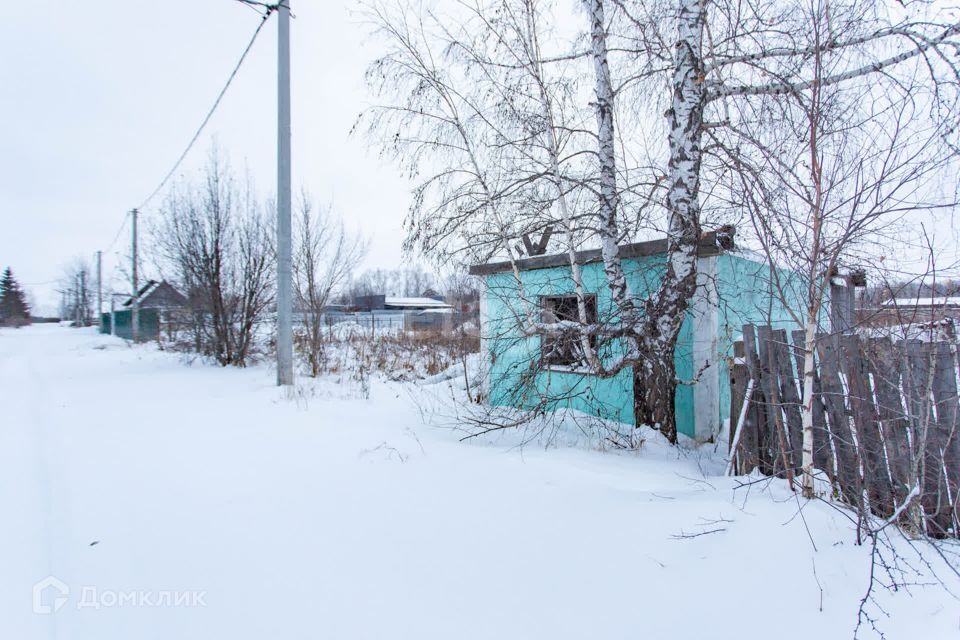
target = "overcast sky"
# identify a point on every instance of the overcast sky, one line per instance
(97, 100)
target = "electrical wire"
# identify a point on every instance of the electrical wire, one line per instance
(253, 4)
(269, 9)
(116, 237)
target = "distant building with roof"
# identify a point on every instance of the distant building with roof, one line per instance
(162, 309)
(421, 313)
(158, 295)
(911, 311)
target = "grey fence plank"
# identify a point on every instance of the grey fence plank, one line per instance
(790, 395)
(746, 450)
(776, 438)
(848, 464)
(944, 442)
(917, 389)
(757, 416)
(869, 442)
(885, 365)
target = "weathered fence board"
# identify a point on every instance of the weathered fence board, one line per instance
(885, 368)
(789, 395)
(944, 450)
(756, 416)
(776, 440)
(885, 419)
(834, 397)
(868, 440)
(746, 450)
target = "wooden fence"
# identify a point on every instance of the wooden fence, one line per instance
(884, 416)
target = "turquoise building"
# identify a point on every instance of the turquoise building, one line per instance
(735, 287)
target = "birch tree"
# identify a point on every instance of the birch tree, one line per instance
(836, 158)
(715, 67)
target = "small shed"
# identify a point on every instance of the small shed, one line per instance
(734, 288)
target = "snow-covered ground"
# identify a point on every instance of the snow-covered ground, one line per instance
(221, 509)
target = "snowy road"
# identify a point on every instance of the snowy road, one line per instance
(175, 501)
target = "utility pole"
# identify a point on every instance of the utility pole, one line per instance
(99, 288)
(284, 250)
(135, 305)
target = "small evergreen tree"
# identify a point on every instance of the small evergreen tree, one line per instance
(14, 310)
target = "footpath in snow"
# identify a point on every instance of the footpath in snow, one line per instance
(169, 500)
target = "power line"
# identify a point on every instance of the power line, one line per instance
(253, 4)
(269, 9)
(117, 236)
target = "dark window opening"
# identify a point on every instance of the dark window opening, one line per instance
(564, 349)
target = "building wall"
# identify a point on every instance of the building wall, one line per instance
(748, 295)
(733, 290)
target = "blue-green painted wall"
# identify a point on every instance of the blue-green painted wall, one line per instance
(749, 293)
(517, 379)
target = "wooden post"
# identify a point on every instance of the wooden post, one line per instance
(841, 305)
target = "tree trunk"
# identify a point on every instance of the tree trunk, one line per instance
(808, 399)
(654, 391)
(606, 152)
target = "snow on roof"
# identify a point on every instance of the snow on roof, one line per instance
(145, 291)
(937, 301)
(425, 303)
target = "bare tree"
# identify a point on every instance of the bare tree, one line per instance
(492, 113)
(76, 289)
(214, 238)
(325, 257)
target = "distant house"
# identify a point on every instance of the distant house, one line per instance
(524, 369)
(423, 313)
(158, 295)
(911, 311)
(425, 302)
(161, 310)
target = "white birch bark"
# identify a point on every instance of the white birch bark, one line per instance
(809, 343)
(553, 149)
(606, 151)
(683, 196)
